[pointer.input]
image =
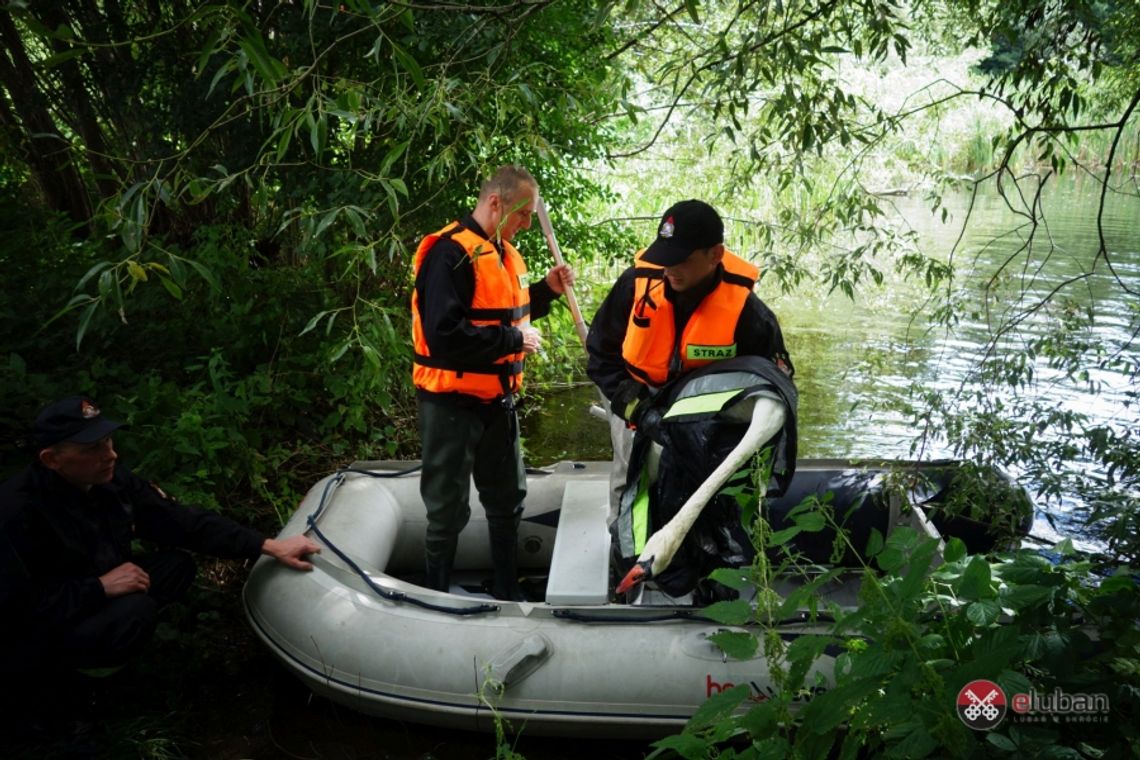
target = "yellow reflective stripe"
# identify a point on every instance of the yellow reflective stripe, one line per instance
(709, 402)
(640, 511)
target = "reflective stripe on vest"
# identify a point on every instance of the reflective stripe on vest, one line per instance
(499, 299)
(653, 353)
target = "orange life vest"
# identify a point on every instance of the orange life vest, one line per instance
(653, 353)
(500, 299)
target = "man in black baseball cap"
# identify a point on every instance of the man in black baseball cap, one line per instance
(74, 592)
(75, 419)
(686, 302)
(687, 227)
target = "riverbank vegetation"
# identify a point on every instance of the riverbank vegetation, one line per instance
(209, 211)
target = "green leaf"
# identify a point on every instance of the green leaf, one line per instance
(718, 707)
(736, 644)
(781, 537)
(84, 321)
(171, 287)
(1001, 741)
(873, 662)
(693, 7)
(1065, 548)
(918, 743)
(54, 60)
(955, 549)
(983, 613)
(975, 581)
(890, 559)
(91, 273)
(874, 543)
(410, 65)
(686, 745)
(1122, 581)
(106, 282)
(828, 710)
(328, 218)
(340, 351)
(734, 578)
(318, 133)
(774, 748)
(1023, 596)
(283, 144)
(760, 720)
(810, 522)
(392, 156)
(399, 185)
(1013, 682)
(372, 356)
(268, 68)
(313, 322)
(735, 612)
(204, 273)
(356, 221)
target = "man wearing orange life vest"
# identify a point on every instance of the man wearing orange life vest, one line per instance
(685, 303)
(471, 313)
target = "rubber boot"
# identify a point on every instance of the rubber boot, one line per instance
(438, 559)
(504, 557)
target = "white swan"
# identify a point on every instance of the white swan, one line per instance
(767, 419)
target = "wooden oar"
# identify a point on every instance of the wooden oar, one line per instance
(552, 244)
(579, 324)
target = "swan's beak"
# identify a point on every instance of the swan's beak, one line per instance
(639, 573)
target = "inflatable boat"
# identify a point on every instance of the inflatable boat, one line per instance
(578, 659)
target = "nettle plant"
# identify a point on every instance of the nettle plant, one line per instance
(930, 619)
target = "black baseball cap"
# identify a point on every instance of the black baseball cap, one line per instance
(686, 227)
(74, 419)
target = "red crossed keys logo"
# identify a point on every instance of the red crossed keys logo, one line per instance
(981, 704)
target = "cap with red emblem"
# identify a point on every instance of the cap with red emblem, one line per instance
(75, 419)
(686, 227)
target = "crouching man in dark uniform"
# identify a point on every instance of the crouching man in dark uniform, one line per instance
(73, 594)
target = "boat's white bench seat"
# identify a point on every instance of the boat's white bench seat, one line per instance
(580, 565)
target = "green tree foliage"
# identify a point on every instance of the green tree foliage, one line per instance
(247, 183)
(773, 82)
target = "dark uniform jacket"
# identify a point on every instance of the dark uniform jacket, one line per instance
(757, 331)
(445, 286)
(56, 540)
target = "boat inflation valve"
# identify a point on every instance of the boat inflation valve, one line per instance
(516, 662)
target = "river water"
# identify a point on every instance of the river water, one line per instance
(859, 363)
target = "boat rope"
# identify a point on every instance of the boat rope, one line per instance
(392, 596)
(694, 615)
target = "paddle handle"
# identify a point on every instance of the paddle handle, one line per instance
(552, 244)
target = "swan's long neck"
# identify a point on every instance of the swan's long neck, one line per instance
(767, 419)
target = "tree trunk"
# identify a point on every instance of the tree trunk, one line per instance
(82, 113)
(49, 154)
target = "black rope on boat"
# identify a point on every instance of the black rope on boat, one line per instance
(694, 615)
(392, 596)
(587, 617)
(374, 474)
